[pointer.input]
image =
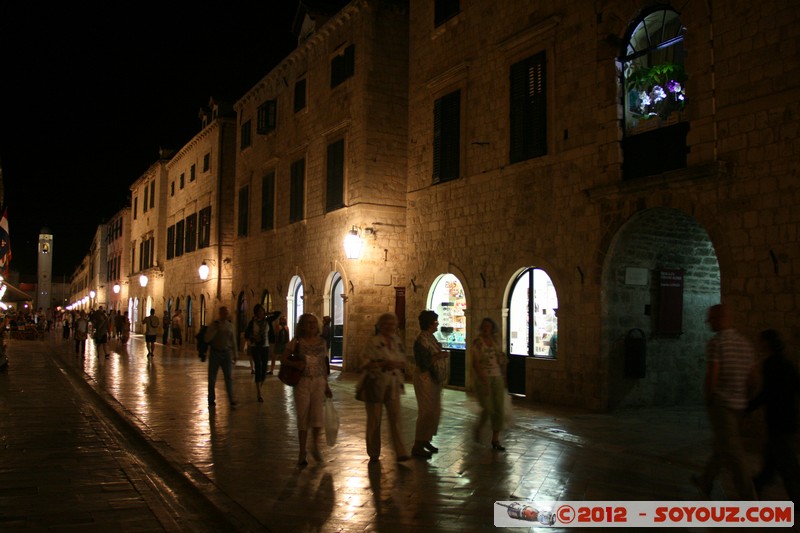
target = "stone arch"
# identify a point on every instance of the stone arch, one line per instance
(652, 241)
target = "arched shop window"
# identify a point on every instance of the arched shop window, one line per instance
(241, 313)
(532, 315)
(652, 69)
(448, 301)
(337, 318)
(266, 301)
(294, 301)
(189, 320)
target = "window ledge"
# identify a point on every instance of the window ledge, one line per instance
(672, 178)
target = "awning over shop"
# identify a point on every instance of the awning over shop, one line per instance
(9, 293)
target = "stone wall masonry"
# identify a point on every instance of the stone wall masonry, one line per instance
(563, 212)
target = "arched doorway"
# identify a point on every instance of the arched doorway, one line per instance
(189, 320)
(294, 303)
(660, 276)
(532, 323)
(336, 312)
(241, 315)
(202, 310)
(133, 312)
(448, 300)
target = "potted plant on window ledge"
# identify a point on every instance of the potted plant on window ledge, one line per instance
(656, 92)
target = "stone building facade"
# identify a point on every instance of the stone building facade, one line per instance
(118, 260)
(322, 153)
(199, 219)
(568, 166)
(148, 242)
(591, 176)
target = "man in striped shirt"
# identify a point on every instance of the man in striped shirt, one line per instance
(729, 370)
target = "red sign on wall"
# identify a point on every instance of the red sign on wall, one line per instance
(669, 318)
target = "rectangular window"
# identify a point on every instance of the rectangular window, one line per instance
(244, 141)
(204, 228)
(141, 255)
(152, 194)
(244, 211)
(297, 191)
(444, 10)
(182, 180)
(172, 189)
(528, 120)
(447, 137)
(334, 197)
(135, 206)
(267, 116)
(152, 249)
(299, 95)
(268, 201)
(343, 66)
(146, 196)
(171, 242)
(191, 233)
(179, 233)
(133, 256)
(207, 162)
(192, 172)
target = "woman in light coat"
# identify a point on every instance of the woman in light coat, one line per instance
(383, 364)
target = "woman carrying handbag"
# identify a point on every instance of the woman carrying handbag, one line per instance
(312, 388)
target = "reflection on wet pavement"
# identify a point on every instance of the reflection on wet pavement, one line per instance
(250, 452)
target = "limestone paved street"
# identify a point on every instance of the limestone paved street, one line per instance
(64, 466)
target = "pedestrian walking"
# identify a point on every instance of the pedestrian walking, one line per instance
(489, 363)
(257, 335)
(165, 333)
(429, 357)
(150, 332)
(177, 328)
(81, 333)
(67, 324)
(312, 389)
(281, 340)
(101, 329)
(729, 367)
(221, 339)
(383, 365)
(780, 391)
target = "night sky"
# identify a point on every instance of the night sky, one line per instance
(89, 95)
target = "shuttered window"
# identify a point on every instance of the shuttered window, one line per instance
(244, 211)
(343, 65)
(179, 233)
(297, 191)
(267, 116)
(268, 201)
(334, 198)
(191, 233)
(204, 230)
(447, 137)
(171, 242)
(528, 121)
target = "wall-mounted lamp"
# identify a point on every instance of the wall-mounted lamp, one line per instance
(117, 288)
(353, 244)
(204, 269)
(92, 294)
(143, 280)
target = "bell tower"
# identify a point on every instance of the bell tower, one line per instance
(44, 278)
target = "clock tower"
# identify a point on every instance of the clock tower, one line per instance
(44, 278)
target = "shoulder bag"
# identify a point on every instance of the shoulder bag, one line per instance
(289, 375)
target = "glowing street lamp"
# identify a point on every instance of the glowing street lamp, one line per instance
(143, 280)
(203, 271)
(353, 244)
